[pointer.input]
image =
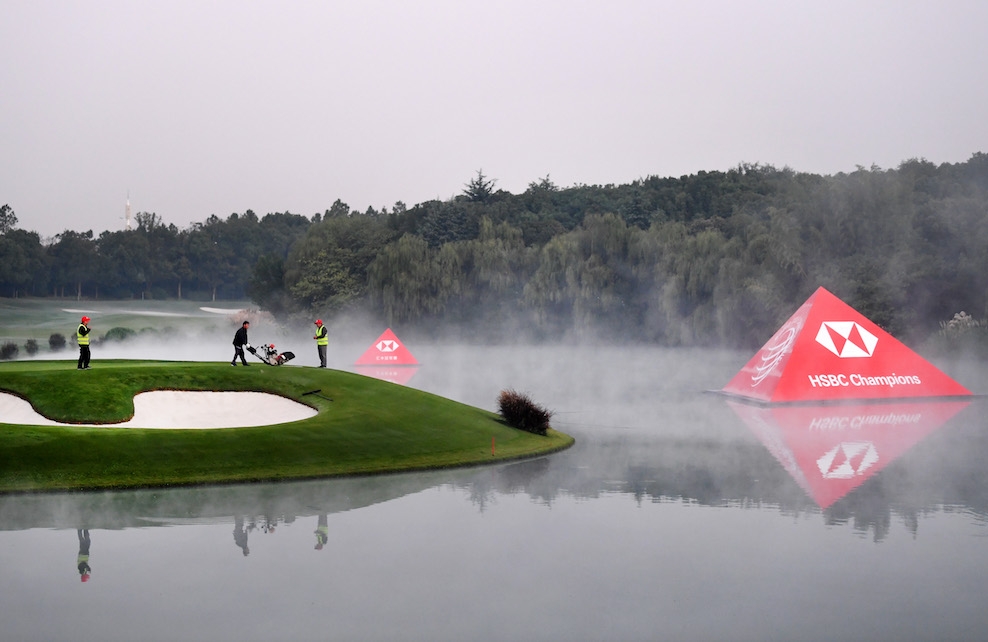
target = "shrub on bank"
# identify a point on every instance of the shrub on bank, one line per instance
(519, 411)
(9, 351)
(119, 334)
(56, 342)
(31, 347)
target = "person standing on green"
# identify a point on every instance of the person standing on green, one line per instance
(322, 340)
(82, 338)
(239, 341)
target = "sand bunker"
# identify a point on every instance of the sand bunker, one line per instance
(223, 310)
(181, 409)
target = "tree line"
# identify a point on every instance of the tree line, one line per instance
(210, 260)
(713, 258)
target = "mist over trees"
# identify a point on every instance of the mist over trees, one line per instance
(715, 258)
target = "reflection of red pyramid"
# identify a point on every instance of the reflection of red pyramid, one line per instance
(831, 450)
(827, 351)
(387, 350)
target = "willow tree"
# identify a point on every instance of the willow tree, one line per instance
(411, 281)
(585, 279)
(494, 268)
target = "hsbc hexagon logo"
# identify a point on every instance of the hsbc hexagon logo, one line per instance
(387, 346)
(846, 339)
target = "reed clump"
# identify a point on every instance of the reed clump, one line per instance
(519, 411)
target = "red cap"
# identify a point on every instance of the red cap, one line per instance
(85, 319)
(318, 321)
(84, 577)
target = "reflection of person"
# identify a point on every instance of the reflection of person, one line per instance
(270, 524)
(82, 562)
(322, 340)
(240, 535)
(82, 338)
(239, 341)
(322, 532)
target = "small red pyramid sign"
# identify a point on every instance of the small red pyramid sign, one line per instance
(387, 350)
(827, 351)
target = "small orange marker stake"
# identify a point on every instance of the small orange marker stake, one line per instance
(492, 446)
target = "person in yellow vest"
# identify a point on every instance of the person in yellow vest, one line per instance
(82, 338)
(322, 340)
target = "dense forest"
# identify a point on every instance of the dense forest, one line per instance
(715, 258)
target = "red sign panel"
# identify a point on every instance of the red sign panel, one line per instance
(387, 350)
(827, 351)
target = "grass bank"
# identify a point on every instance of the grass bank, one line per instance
(370, 426)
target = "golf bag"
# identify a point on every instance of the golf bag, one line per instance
(270, 356)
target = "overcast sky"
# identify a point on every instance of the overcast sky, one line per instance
(214, 107)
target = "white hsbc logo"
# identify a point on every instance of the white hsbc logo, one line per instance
(387, 346)
(846, 339)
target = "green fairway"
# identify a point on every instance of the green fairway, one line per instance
(38, 319)
(370, 426)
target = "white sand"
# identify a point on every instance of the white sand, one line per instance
(222, 310)
(181, 409)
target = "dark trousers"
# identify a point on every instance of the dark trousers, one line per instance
(83, 356)
(238, 351)
(322, 356)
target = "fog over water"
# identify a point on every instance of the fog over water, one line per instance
(675, 516)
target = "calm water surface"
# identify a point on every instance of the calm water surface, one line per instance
(677, 516)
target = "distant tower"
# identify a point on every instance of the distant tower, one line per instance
(127, 211)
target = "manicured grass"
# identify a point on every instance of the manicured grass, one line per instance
(370, 427)
(38, 319)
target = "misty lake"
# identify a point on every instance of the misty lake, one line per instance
(678, 515)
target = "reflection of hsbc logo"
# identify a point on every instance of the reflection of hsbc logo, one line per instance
(387, 345)
(846, 339)
(847, 459)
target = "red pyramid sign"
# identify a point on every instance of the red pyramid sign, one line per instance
(387, 350)
(827, 351)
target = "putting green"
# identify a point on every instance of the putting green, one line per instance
(361, 426)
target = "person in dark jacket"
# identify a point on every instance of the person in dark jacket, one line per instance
(239, 341)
